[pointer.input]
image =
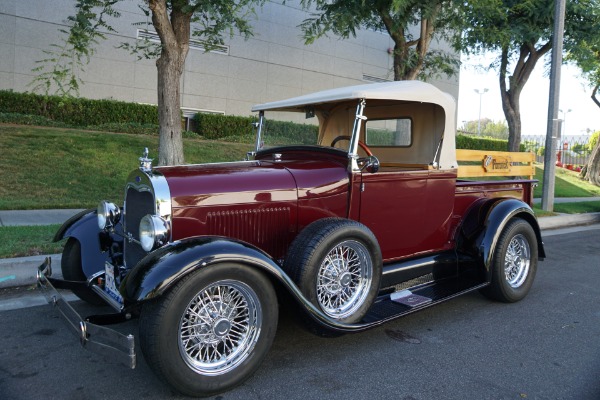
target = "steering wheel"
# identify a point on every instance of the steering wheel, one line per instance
(361, 144)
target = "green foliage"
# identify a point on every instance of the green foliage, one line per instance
(217, 126)
(482, 143)
(59, 72)
(411, 56)
(541, 151)
(68, 168)
(495, 129)
(593, 140)
(579, 148)
(239, 129)
(520, 33)
(77, 111)
(28, 119)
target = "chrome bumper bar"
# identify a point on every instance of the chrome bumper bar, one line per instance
(97, 338)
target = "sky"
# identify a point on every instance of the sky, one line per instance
(574, 95)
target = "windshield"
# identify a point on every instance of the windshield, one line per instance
(278, 131)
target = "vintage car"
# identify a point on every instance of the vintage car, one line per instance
(356, 223)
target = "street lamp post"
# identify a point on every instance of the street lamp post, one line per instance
(480, 93)
(564, 113)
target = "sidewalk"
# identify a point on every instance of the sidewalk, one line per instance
(22, 271)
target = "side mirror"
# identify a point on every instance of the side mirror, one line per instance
(369, 164)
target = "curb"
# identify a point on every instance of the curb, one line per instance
(568, 221)
(22, 271)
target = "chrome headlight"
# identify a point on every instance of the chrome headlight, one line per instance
(154, 232)
(109, 214)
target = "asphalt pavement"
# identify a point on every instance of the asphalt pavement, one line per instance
(546, 346)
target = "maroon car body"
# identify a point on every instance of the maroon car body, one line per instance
(356, 235)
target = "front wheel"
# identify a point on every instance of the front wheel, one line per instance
(211, 331)
(514, 263)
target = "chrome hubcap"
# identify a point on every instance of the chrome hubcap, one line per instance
(517, 261)
(220, 327)
(344, 279)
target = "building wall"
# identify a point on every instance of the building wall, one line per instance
(273, 64)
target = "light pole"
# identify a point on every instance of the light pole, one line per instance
(480, 93)
(564, 113)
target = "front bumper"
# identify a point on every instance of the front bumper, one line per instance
(99, 339)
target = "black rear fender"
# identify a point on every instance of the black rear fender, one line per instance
(483, 224)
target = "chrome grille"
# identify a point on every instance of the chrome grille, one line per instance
(137, 205)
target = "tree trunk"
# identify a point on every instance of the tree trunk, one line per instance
(591, 171)
(170, 142)
(528, 57)
(174, 33)
(512, 112)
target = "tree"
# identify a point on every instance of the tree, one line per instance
(175, 21)
(520, 32)
(489, 128)
(412, 56)
(587, 57)
(591, 171)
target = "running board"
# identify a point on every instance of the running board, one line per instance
(395, 305)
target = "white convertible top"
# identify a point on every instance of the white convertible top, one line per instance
(420, 101)
(400, 90)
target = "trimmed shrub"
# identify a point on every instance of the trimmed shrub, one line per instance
(482, 143)
(77, 111)
(27, 119)
(239, 129)
(218, 126)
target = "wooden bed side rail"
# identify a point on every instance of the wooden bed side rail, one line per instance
(477, 163)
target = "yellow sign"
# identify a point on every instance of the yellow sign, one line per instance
(496, 164)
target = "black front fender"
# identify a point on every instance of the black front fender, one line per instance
(484, 223)
(84, 227)
(156, 273)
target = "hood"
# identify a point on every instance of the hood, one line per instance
(253, 182)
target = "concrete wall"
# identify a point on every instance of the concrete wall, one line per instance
(272, 65)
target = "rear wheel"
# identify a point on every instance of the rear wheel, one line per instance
(72, 270)
(211, 331)
(514, 263)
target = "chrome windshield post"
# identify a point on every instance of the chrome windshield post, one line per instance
(259, 129)
(353, 152)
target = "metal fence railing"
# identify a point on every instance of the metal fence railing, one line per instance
(570, 150)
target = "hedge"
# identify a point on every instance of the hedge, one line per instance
(232, 128)
(482, 143)
(77, 111)
(119, 116)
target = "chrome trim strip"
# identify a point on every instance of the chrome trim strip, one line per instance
(99, 339)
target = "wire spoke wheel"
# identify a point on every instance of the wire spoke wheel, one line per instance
(517, 260)
(220, 327)
(344, 279)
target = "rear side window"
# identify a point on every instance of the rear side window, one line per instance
(395, 132)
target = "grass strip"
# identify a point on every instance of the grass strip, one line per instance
(43, 167)
(23, 241)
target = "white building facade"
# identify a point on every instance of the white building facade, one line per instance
(273, 64)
